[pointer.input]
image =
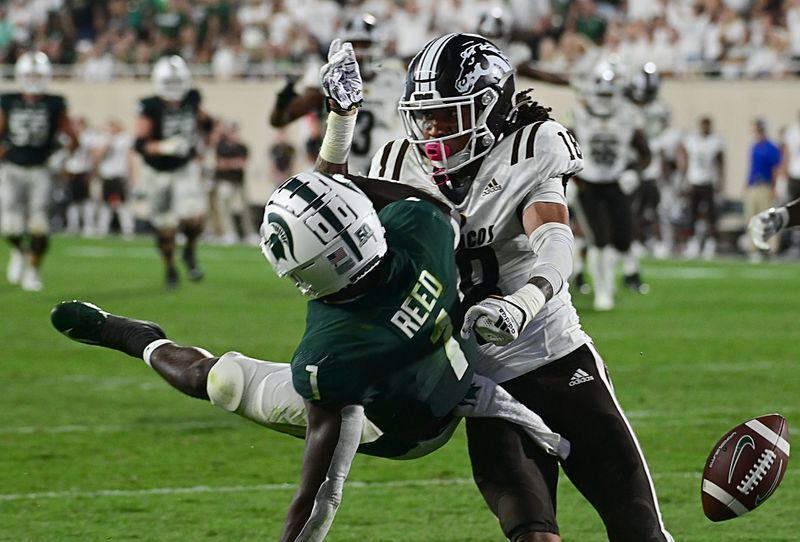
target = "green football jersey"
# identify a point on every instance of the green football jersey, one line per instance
(394, 350)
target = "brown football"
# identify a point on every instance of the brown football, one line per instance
(745, 467)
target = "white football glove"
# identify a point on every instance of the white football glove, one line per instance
(341, 77)
(766, 224)
(175, 146)
(500, 320)
(628, 182)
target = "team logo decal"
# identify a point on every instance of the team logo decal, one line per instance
(281, 236)
(745, 441)
(478, 60)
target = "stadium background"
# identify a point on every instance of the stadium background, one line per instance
(733, 106)
(94, 446)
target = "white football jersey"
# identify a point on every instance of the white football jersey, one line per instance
(606, 142)
(654, 126)
(791, 139)
(494, 255)
(701, 152)
(378, 120)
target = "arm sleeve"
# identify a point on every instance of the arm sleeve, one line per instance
(330, 492)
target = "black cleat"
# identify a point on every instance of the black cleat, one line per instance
(172, 281)
(634, 283)
(193, 269)
(89, 324)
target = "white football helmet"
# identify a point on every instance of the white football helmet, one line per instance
(604, 89)
(171, 78)
(33, 72)
(467, 76)
(361, 31)
(322, 232)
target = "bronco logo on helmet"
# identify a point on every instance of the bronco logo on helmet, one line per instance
(480, 59)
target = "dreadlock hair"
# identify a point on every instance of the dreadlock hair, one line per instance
(525, 111)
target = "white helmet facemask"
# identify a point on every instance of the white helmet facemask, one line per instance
(322, 232)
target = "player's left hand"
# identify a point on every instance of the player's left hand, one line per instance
(766, 224)
(341, 77)
(495, 319)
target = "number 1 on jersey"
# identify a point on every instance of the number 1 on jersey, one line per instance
(443, 329)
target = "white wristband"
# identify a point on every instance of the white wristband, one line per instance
(338, 137)
(150, 348)
(530, 299)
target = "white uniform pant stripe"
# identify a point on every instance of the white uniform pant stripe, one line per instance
(601, 370)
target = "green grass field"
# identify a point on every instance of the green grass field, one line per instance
(94, 446)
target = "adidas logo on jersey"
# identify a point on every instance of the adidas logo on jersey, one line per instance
(491, 188)
(580, 377)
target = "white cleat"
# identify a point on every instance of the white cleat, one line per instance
(31, 281)
(15, 266)
(603, 302)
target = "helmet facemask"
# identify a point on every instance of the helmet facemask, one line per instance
(475, 118)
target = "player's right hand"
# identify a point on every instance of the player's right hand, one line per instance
(175, 146)
(495, 319)
(341, 77)
(766, 224)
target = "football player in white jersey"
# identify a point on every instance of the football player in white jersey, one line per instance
(501, 162)
(790, 150)
(615, 154)
(643, 92)
(701, 158)
(766, 224)
(377, 119)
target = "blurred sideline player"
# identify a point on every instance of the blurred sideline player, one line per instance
(79, 172)
(377, 120)
(30, 121)
(113, 157)
(168, 131)
(764, 225)
(701, 158)
(498, 159)
(382, 287)
(615, 154)
(643, 91)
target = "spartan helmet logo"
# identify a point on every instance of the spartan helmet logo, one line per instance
(477, 60)
(281, 236)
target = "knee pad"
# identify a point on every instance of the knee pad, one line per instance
(225, 383)
(258, 390)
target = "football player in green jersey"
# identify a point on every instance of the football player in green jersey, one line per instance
(378, 369)
(30, 123)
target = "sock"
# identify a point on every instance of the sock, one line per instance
(129, 336)
(150, 348)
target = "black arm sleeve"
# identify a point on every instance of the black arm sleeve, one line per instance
(382, 193)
